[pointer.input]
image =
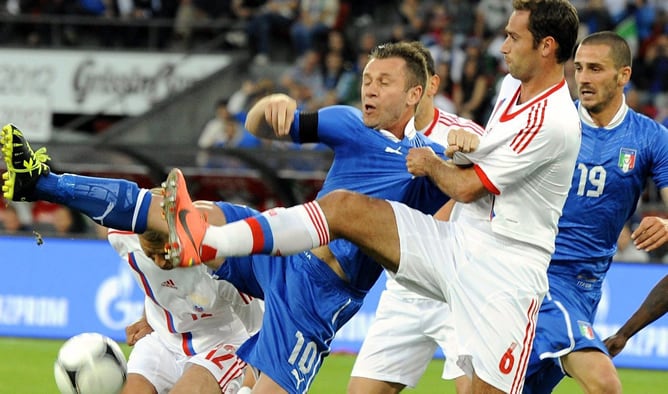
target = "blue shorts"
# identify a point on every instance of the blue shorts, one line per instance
(306, 303)
(565, 321)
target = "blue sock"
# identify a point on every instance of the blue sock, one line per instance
(114, 203)
(234, 212)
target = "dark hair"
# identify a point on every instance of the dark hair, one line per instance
(155, 238)
(620, 53)
(416, 65)
(552, 18)
(155, 241)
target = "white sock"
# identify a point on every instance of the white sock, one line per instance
(278, 231)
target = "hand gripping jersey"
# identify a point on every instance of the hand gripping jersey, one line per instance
(189, 309)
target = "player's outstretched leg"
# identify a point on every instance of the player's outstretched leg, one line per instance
(114, 203)
(24, 166)
(186, 224)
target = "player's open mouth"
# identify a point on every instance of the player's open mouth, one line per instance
(586, 92)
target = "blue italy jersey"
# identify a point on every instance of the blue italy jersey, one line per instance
(611, 172)
(369, 162)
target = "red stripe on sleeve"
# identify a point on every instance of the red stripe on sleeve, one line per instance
(485, 181)
(257, 234)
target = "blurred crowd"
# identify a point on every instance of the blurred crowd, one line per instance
(43, 219)
(314, 50)
(317, 49)
(323, 44)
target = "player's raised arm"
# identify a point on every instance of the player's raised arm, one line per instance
(271, 116)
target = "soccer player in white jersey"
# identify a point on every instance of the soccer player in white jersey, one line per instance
(409, 327)
(197, 323)
(490, 261)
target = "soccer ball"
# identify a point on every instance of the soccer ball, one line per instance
(90, 363)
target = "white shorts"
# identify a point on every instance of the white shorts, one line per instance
(161, 366)
(403, 338)
(494, 286)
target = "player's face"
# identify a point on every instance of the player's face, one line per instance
(156, 252)
(597, 79)
(387, 103)
(518, 49)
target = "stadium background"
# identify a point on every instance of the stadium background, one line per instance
(134, 110)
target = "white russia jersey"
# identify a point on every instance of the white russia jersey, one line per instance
(190, 310)
(526, 160)
(437, 131)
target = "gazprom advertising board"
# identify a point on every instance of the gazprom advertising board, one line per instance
(66, 286)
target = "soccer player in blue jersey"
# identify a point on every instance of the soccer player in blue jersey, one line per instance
(308, 296)
(409, 327)
(620, 151)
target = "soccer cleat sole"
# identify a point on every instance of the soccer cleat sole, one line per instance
(34, 161)
(9, 176)
(178, 215)
(173, 247)
(8, 180)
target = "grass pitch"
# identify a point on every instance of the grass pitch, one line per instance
(27, 368)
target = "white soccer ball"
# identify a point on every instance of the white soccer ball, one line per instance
(90, 363)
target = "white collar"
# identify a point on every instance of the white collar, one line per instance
(409, 131)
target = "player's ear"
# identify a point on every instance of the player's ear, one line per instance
(414, 95)
(434, 82)
(624, 75)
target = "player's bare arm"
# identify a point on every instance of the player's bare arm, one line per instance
(461, 184)
(654, 306)
(272, 116)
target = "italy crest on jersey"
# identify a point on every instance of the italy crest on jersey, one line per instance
(627, 159)
(586, 329)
